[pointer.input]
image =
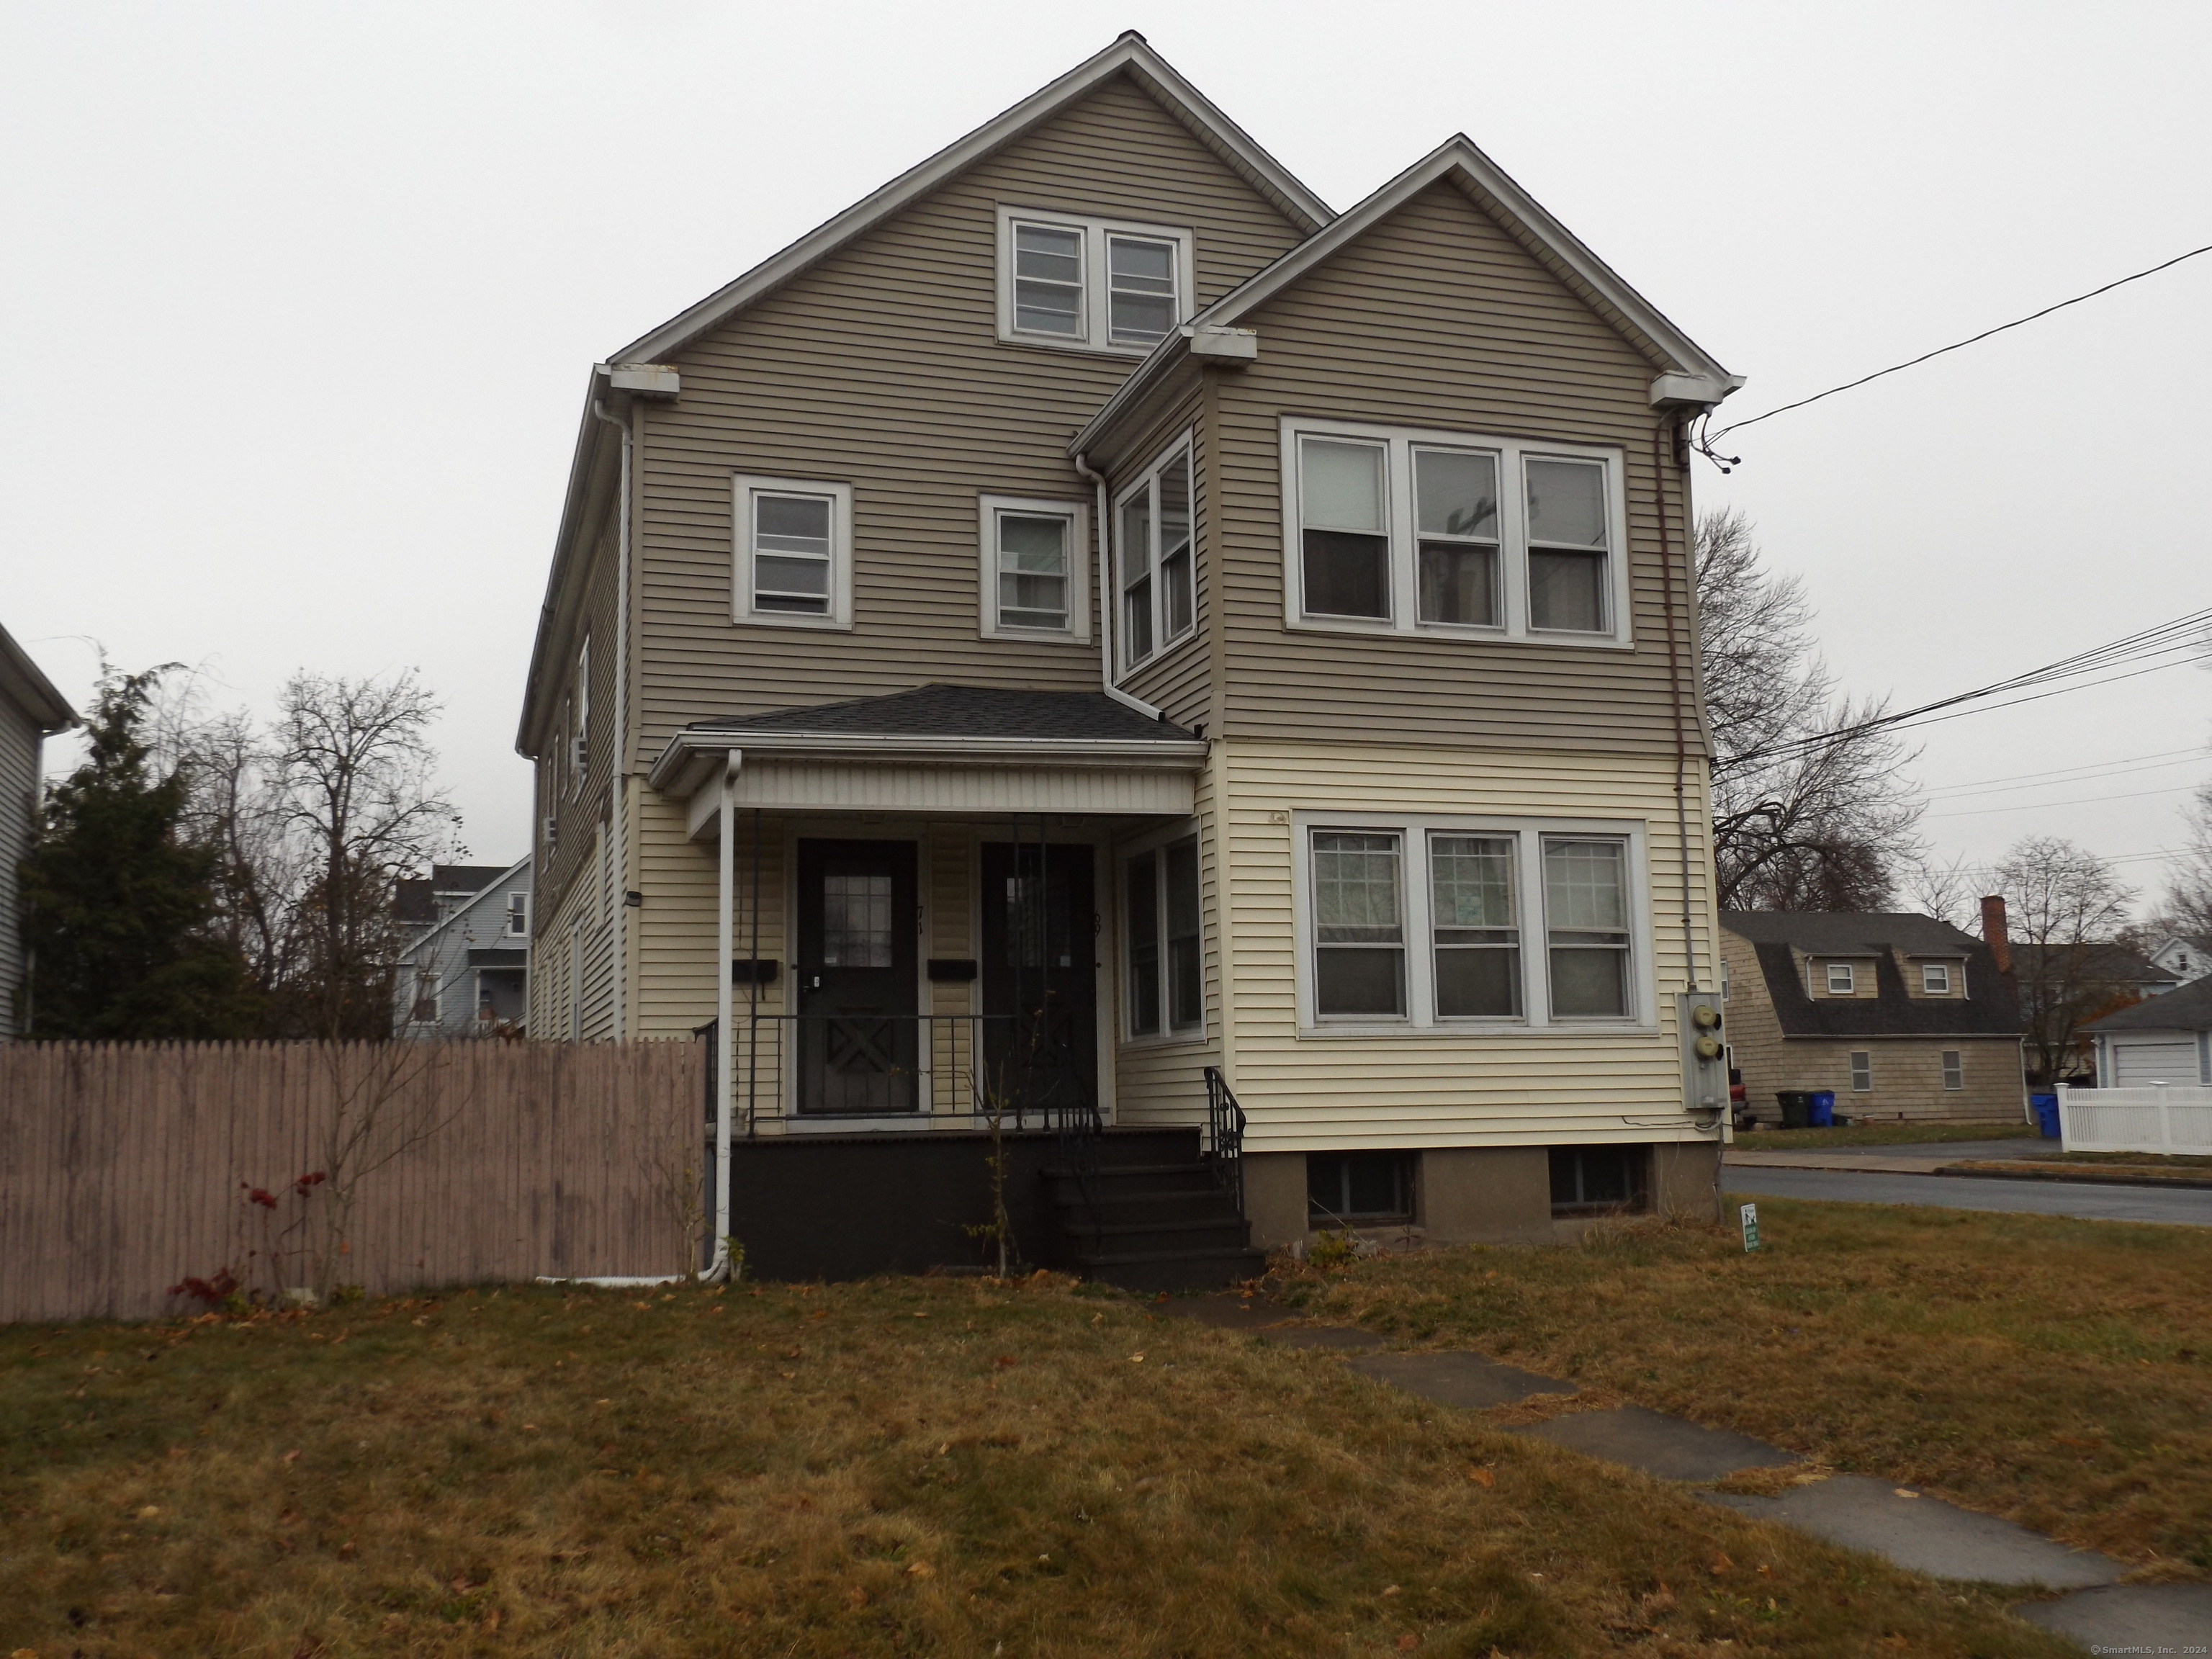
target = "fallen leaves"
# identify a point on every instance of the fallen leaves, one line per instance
(1722, 1566)
(1485, 1477)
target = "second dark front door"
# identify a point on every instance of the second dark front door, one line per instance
(1039, 975)
(857, 1038)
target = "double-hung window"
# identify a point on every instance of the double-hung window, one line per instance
(1033, 572)
(1157, 576)
(1955, 1069)
(517, 914)
(1468, 892)
(1843, 980)
(1090, 284)
(794, 552)
(1936, 978)
(579, 749)
(1453, 534)
(1164, 950)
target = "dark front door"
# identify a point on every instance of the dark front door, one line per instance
(1038, 972)
(857, 1036)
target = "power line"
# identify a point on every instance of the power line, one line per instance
(2166, 756)
(1707, 438)
(2078, 800)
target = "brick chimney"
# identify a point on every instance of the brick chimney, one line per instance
(1993, 931)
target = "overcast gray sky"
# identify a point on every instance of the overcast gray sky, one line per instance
(300, 299)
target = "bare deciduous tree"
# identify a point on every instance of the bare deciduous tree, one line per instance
(1809, 813)
(2188, 905)
(2064, 909)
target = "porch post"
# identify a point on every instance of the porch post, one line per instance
(725, 1072)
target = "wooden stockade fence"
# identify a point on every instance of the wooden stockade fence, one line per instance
(127, 1168)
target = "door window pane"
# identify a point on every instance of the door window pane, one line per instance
(1359, 966)
(791, 554)
(1186, 959)
(856, 920)
(1140, 297)
(1049, 280)
(1477, 939)
(1032, 571)
(1568, 546)
(1143, 914)
(1178, 600)
(1586, 912)
(1346, 549)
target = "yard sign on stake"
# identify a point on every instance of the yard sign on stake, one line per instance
(1750, 1214)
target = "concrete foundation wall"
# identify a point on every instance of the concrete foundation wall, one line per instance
(1684, 1180)
(1484, 1194)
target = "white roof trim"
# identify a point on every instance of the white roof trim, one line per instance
(1129, 52)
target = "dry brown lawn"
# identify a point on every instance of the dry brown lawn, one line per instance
(1879, 1135)
(916, 1465)
(2056, 1372)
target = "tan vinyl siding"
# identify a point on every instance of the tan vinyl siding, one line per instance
(1446, 1089)
(881, 368)
(1436, 318)
(580, 812)
(1178, 682)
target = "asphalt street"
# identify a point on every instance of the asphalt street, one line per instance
(2187, 1207)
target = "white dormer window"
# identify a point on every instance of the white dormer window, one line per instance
(1090, 284)
(1936, 978)
(1843, 980)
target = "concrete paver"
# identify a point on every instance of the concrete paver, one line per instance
(1927, 1534)
(1472, 1382)
(1672, 1448)
(2130, 1617)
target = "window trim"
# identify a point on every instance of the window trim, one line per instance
(1156, 842)
(1849, 972)
(1955, 1069)
(1859, 1070)
(1928, 989)
(1420, 1019)
(1400, 442)
(518, 912)
(1095, 338)
(1184, 447)
(580, 740)
(744, 486)
(1078, 514)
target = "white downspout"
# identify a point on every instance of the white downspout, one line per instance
(725, 1070)
(1106, 604)
(620, 782)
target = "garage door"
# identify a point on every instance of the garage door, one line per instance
(2136, 1064)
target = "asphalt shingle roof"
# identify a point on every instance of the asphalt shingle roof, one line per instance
(965, 711)
(2188, 1009)
(1990, 1008)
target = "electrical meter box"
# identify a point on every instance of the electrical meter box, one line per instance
(1704, 1053)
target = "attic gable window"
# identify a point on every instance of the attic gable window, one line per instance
(794, 552)
(1090, 284)
(1453, 535)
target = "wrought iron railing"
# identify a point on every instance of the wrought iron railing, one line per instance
(1224, 1137)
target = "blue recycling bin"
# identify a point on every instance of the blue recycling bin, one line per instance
(1821, 1109)
(2046, 1115)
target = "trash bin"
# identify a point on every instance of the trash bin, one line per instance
(2046, 1115)
(1822, 1114)
(1797, 1107)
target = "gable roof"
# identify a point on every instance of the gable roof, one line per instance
(1130, 55)
(2188, 1009)
(1852, 933)
(501, 883)
(1692, 373)
(2114, 964)
(1990, 1008)
(414, 898)
(22, 683)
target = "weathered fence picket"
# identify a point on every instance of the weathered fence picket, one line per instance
(126, 1167)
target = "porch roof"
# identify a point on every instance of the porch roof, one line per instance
(941, 747)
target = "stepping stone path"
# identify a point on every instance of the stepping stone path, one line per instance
(1921, 1534)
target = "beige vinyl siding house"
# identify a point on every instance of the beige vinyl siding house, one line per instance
(965, 730)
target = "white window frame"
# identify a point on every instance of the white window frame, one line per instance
(580, 740)
(1414, 830)
(1184, 449)
(1157, 843)
(1931, 984)
(1955, 1069)
(988, 509)
(743, 487)
(518, 912)
(1862, 1071)
(1842, 979)
(1399, 443)
(1095, 336)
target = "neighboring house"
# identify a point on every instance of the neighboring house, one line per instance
(2185, 956)
(420, 904)
(1090, 574)
(31, 711)
(2064, 987)
(2166, 1040)
(1900, 1016)
(468, 974)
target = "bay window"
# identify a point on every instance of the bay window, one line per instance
(1450, 533)
(1157, 577)
(1163, 942)
(1469, 891)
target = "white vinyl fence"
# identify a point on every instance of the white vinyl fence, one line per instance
(2170, 1117)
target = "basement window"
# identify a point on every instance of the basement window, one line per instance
(1599, 1180)
(1360, 1187)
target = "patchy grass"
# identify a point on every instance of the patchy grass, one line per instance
(2059, 1169)
(1879, 1135)
(2058, 1372)
(2142, 1160)
(936, 1466)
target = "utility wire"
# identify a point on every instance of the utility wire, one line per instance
(2077, 800)
(1960, 792)
(2163, 756)
(1707, 438)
